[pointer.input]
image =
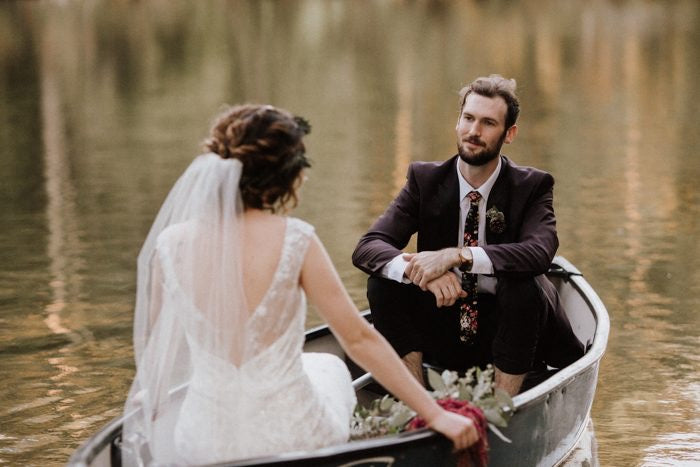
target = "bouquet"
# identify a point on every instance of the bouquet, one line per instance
(472, 395)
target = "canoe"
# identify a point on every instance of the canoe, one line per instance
(551, 420)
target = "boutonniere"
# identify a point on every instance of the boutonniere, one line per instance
(496, 220)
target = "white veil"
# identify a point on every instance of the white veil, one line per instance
(189, 301)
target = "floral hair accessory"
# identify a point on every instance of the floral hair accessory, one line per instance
(303, 124)
(496, 220)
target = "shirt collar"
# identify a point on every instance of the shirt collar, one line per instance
(484, 190)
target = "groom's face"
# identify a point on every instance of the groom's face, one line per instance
(481, 129)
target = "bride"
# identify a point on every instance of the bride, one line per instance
(220, 310)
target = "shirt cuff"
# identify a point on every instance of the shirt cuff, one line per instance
(482, 263)
(395, 269)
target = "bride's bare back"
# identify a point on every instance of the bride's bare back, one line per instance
(263, 237)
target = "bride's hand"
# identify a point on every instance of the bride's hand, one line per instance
(460, 430)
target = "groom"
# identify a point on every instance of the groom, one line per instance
(475, 293)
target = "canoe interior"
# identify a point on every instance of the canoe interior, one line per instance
(548, 422)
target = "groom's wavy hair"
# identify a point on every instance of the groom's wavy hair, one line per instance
(268, 142)
(492, 86)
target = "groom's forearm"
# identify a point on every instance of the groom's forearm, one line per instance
(373, 253)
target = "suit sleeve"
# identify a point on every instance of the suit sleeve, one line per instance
(391, 232)
(536, 243)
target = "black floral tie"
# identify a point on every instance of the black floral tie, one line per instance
(468, 313)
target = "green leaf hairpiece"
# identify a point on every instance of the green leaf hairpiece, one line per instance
(303, 124)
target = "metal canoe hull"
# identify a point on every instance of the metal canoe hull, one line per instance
(549, 418)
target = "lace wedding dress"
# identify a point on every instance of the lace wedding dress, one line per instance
(278, 399)
(215, 381)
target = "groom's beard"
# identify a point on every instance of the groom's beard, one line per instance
(483, 157)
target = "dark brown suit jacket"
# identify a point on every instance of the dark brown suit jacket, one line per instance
(429, 205)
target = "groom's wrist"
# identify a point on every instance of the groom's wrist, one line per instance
(457, 257)
(453, 258)
(466, 259)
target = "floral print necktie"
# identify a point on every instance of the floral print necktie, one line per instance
(468, 313)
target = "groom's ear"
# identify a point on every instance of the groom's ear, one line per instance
(511, 133)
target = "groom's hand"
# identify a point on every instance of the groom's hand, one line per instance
(426, 266)
(447, 289)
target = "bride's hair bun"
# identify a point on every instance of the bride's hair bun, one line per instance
(268, 142)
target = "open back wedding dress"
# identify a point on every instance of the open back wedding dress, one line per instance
(215, 380)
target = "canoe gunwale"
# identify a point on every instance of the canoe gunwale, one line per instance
(95, 445)
(593, 355)
(338, 451)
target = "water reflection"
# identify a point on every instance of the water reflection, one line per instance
(63, 244)
(102, 105)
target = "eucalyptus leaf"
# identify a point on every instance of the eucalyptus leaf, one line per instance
(495, 417)
(503, 398)
(498, 433)
(436, 381)
(449, 377)
(488, 403)
(386, 403)
(400, 419)
(465, 393)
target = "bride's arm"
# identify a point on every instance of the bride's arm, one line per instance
(369, 348)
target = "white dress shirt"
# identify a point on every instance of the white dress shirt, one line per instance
(395, 268)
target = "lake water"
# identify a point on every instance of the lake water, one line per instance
(104, 103)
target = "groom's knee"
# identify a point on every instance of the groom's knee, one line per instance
(384, 293)
(522, 317)
(393, 306)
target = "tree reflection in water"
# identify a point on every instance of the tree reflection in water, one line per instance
(103, 103)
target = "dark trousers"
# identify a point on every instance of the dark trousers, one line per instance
(513, 325)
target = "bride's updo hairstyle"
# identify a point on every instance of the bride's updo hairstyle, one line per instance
(268, 142)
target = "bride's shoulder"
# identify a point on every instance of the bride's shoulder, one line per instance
(301, 226)
(175, 234)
